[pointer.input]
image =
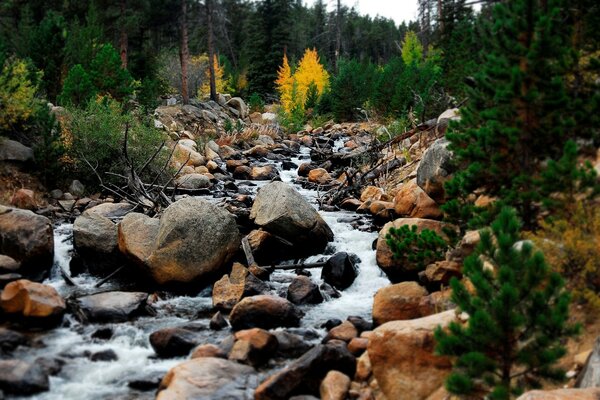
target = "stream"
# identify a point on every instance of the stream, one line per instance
(81, 378)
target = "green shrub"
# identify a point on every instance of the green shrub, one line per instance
(415, 250)
(49, 148)
(256, 103)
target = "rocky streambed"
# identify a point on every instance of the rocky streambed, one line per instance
(126, 342)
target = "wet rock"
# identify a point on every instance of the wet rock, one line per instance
(340, 271)
(9, 264)
(208, 350)
(304, 291)
(265, 312)
(194, 241)
(27, 238)
(304, 169)
(95, 240)
(409, 346)
(231, 165)
(562, 394)
(412, 201)
(320, 176)
(385, 258)
(279, 209)
(104, 355)
(13, 151)
(263, 173)
(174, 342)
(34, 302)
(10, 340)
(206, 378)
(50, 366)
(21, 378)
(193, 181)
(103, 333)
(253, 347)
(288, 166)
(229, 290)
(218, 322)
(346, 331)
(435, 169)
(304, 375)
(266, 248)
(112, 306)
(329, 292)
(360, 323)
(25, 199)
(335, 386)
(290, 345)
(146, 382)
(358, 345)
(331, 323)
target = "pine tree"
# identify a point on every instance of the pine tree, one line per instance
(518, 312)
(78, 89)
(518, 113)
(108, 76)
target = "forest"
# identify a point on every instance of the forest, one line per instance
(276, 199)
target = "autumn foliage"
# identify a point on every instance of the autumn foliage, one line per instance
(294, 87)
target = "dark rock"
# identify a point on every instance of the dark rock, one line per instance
(340, 271)
(112, 306)
(288, 165)
(360, 323)
(265, 312)
(290, 345)
(253, 347)
(10, 340)
(174, 342)
(103, 333)
(147, 382)
(13, 151)
(21, 378)
(304, 291)
(51, 366)
(331, 323)
(218, 322)
(104, 355)
(329, 291)
(304, 375)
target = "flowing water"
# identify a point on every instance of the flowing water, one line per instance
(82, 378)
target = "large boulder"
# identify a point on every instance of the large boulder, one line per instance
(27, 238)
(304, 291)
(562, 394)
(403, 360)
(33, 302)
(253, 347)
(206, 378)
(384, 255)
(238, 104)
(174, 342)
(95, 240)
(22, 378)
(304, 375)
(406, 300)
(279, 209)
(230, 289)
(13, 151)
(111, 211)
(264, 311)
(412, 201)
(590, 374)
(193, 241)
(112, 306)
(193, 181)
(435, 169)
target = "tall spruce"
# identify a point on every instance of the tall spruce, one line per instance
(518, 114)
(518, 312)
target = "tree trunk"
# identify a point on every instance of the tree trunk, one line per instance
(184, 53)
(211, 51)
(338, 38)
(123, 35)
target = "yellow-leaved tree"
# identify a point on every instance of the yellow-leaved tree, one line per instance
(293, 88)
(17, 94)
(220, 82)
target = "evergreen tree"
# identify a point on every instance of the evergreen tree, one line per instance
(518, 312)
(518, 113)
(78, 89)
(350, 89)
(107, 75)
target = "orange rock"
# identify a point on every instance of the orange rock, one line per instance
(335, 386)
(378, 206)
(24, 198)
(371, 193)
(208, 350)
(320, 176)
(412, 201)
(346, 332)
(32, 300)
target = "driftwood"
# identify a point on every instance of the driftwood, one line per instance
(104, 280)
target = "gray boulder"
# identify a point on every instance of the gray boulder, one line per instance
(111, 306)
(193, 181)
(95, 240)
(11, 150)
(22, 378)
(238, 104)
(435, 169)
(280, 210)
(589, 376)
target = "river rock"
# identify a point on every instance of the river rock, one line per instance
(95, 240)
(218, 322)
(435, 169)
(35, 302)
(304, 375)
(76, 188)
(281, 210)
(208, 350)
(266, 248)
(193, 181)
(385, 258)
(411, 201)
(320, 176)
(174, 342)
(229, 290)
(27, 238)
(439, 273)
(253, 347)
(345, 332)
(22, 378)
(264, 311)
(340, 271)
(404, 300)
(112, 306)
(8, 264)
(10, 340)
(304, 291)
(562, 394)
(206, 378)
(409, 347)
(290, 345)
(192, 242)
(335, 386)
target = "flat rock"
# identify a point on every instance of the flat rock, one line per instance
(112, 306)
